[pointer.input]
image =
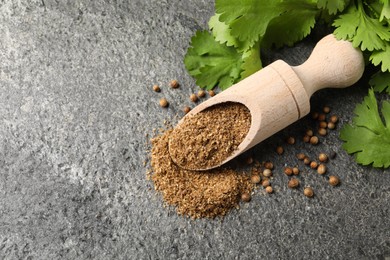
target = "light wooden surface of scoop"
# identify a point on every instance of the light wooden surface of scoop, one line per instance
(278, 95)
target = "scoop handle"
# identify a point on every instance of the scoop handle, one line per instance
(332, 64)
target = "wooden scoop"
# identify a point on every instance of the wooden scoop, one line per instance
(279, 94)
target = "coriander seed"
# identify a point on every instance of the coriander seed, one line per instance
(255, 179)
(321, 169)
(288, 171)
(321, 117)
(326, 109)
(249, 160)
(269, 165)
(301, 156)
(279, 150)
(193, 98)
(186, 109)
(322, 157)
(269, 189)
(156, 88)
(265, 183)
(295, 170)
(309, 132)
(290, 140)
(293, 183)
(246, 197)
(306, 160)
(306, 138)
(267, 173)
(211, 93)
(174, 83)
(201, 93)
(322, 124)
(314, 115)
(334, 119)
(314, 140)
(308, 192)
(334, 180)
(322, 131)
(331, 125)
(163, 102)
(313, 165)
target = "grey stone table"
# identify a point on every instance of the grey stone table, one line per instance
(75, 105)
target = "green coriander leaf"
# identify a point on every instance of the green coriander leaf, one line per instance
(251, 61)
(380, 81)
(333, 6)
(296, 22)
(212, 63)
(221, 31)
(362, 30)
(385, 10)
(382, 57)
(368, 137)
(248, 19)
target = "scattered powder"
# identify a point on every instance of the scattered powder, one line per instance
(196, 194)
(206, 139)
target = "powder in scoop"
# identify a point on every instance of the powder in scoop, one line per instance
(196, 194)
(207, 138)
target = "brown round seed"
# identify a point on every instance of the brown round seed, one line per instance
(301, 156)
(163, 102)
(331, 125)
(334, 119)
(269, 165)
(309, 132)
(293, 183)
(313, 165)
(290, 140)
(306, 138)
(174, 83)
(193, 98)
(321, 117)
(265, 183)
(308, 192)
(267, 173)
(246, 197)
(201, 93)
(249, 160)
(314, 140)
(322, 124)
(322, 157)
(269, 189)
(326, 109)
(279, 150)
(334, 180)
(321, 169)
(306, 160)
(322, 131)
(314, 115)
(255, 179)
(288, 171)
(156, 88)
(295, 170)
(186, 109)
(211, 93)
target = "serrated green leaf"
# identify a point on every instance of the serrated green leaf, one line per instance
(333, 6)
(368, 137)
(222, 32)
(364, 32)
(251, 61)
(212, 63)
(382, 57)
(248, 19)
(296, 22)
(380, 81)
(385, 13)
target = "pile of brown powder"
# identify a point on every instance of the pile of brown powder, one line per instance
(210, 136)
(196, 194)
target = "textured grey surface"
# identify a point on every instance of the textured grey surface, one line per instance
(75, 105)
